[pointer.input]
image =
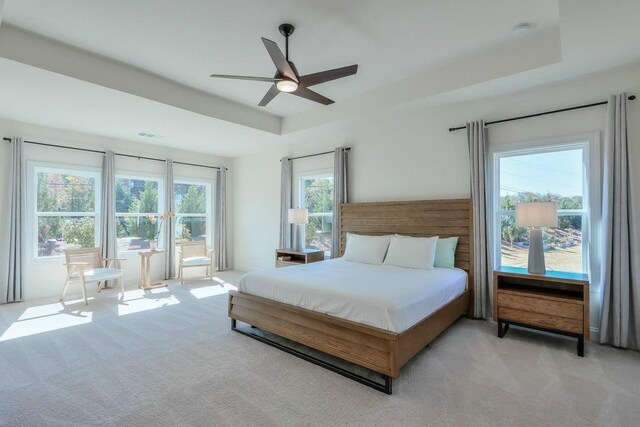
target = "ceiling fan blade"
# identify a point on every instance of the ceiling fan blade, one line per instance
(271, 93)
(311, 95)
(327, 76)
(257, 79)
(279, 60)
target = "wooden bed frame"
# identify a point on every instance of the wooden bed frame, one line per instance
(377, 349)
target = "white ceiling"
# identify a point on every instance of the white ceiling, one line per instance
(144, 64)
(187, 40)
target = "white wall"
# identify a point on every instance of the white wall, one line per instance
(45, 277)
(408, 153)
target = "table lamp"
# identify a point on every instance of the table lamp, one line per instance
(536, 215)
(298, 217)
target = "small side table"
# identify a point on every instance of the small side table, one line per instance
(304, 256)
(145, 269)
(554, 302)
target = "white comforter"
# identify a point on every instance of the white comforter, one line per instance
(391, 298)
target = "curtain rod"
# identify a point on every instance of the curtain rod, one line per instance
(631, 98)
(117, 154)
(316, 154)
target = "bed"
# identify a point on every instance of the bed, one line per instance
(329, 306)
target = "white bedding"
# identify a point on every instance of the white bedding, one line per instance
(387, 297)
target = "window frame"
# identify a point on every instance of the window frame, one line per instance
(161, 201)
(317, 174)
(589, 143)
(32, 220)
(209, 204)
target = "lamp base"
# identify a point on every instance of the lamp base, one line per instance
(298, 244)
(536, 252)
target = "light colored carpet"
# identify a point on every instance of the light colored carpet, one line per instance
(168, 358)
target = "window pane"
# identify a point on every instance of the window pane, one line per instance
(545, 177)
(190, 198)
(55, 234)
(557, 176)
(318, 194)
(134, 232)
(136, 196)
(318, 233)
(515, 242)
(191, 228)
(60, 192)
(562, 245)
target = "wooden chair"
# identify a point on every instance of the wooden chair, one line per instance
(87, 266)
(194, 254)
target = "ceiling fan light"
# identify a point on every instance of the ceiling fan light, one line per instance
(287, 86)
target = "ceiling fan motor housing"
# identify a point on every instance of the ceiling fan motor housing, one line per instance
(286, 29)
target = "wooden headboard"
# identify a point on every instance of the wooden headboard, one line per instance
(422, 218)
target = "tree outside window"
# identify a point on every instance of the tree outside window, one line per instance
(65, 207)
(192, 202)
(316, 195)
(136, 200)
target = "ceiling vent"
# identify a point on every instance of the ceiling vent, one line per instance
(149, 135)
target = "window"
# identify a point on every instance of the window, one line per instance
(193, 207)
(316, 195)
(137, 198)
(560, 174)
(66, 206)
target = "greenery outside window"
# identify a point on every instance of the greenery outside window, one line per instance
(193, 210)
(137, 198)
(559, 174)
(316, 195)
(66, 206)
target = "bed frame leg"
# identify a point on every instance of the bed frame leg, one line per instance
(388, 382)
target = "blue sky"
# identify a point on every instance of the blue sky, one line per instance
(557, 172)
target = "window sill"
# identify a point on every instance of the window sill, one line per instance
(48, 260)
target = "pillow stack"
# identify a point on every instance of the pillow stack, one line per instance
(423, 253)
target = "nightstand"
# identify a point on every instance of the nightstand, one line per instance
(304, 256)
(553, 302)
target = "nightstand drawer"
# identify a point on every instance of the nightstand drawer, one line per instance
(543, 306)
(542, 320)
(287, 263)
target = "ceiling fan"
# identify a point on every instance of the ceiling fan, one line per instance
(287, 78)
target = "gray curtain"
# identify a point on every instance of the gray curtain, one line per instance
(12, 287)
(108, 234)
(340, 195)
(286, 180)
(220, 245)
(620, 322)
(482, 266)
(169, 224)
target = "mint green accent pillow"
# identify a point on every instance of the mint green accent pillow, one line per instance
(445, 252)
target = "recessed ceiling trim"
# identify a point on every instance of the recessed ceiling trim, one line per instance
(32, 49)
(517, 56)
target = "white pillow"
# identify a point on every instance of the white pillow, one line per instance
(412, 252)
(366, 249)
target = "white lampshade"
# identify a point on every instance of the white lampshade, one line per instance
(298, 216)
(537, 214)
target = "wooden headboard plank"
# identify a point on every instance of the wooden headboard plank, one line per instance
(421, 218)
